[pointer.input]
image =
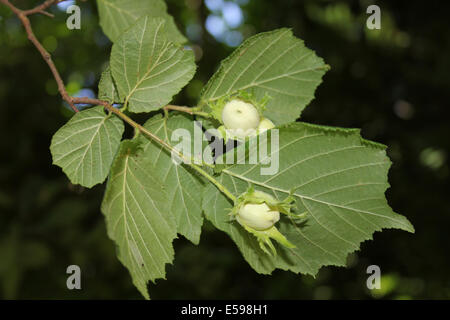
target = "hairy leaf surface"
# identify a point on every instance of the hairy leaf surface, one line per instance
(116, 16)
(338, 178)
(107, 89)
(138, 217)
(147, 67)
(186, 186)
(86, 145)
(274, 63)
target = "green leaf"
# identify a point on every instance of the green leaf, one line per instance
(148, 68)
(107, 89)
(116, 16)
(274, 63)
(186, 187)
(86, 145)
(335, 176)
(137, 215)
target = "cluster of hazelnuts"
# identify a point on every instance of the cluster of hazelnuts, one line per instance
(241, 119)
(256, 211)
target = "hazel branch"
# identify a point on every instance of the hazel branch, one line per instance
(23, 16)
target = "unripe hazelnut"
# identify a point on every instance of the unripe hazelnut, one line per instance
(265, 124)
(238, 114)
(257, 216)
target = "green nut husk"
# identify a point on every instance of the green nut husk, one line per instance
(258, 212)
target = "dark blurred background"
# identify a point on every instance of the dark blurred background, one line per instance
(394, 83)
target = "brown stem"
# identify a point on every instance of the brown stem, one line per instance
(40, 8)
(23, 16)
(48, 14)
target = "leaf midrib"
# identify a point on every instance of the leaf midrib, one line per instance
(310, 198)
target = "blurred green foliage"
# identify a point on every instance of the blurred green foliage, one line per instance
(393, 83)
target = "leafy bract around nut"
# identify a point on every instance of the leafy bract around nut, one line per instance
(258, 212)
(275, 63)
(238, 114)
(241, 119)
(216, 108)
(241, 116)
